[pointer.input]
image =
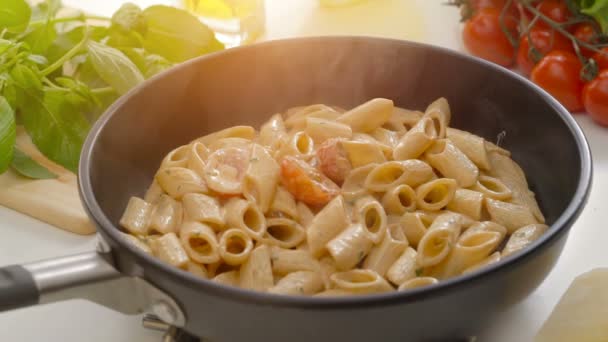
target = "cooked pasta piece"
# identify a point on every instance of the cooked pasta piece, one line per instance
(178, 181)
(245, 215)
(415, 225)
(256, 272)
(487, 226)
(388, 175)
(467, 202)
(272, 133)
(492, 259)
(436, 194)
(327, 267)
(439, 113)
(402, 120)
(413, 143)
(200, 242)
(136, 218)
(360, 281)
(235, 246)
(363, 153)
(512, 216)
(230, 278)
(439, 239)
(197, 269)
(493, 188)
(470, 249)
(417, 282)
(284, 232)
(169, 249)
(452, 163)
(284, 204)
(383, 255)
(245, 132)
(404, 268)
(153, 193)
(491, 147)
(321, 129)
(523, 237)
(166, 216)
(137, 243)
(298, 144)
(386, 137)
(176, 158)
(473, 146)
(196, 159)
(305, 214)
(400, 199)
(368, 139)
(369, 212)
(261, 177)
(354, 184)
(286, 261)
(297, 121)
(350, 246)
(299, 283)
(507, 170)
(368, 116)
(326, 225)
(203, 208)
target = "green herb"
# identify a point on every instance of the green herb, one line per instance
(7, 134)
(58, 74)
(27, 167)
(419, 272)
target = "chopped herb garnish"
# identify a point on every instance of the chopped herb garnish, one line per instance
(419, 272)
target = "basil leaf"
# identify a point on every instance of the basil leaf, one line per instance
(41, 38)
(7, 134)
(124, 39)
(66, 40)
(149, 64)
(55, 123)
(25, 77)
(45, 10)
(28, 167)
(114, 67)
(598, 9)
(14, 15)
(176, 34)
(5, 45)
(129, 18)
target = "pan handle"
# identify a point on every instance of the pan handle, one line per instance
(91, 276)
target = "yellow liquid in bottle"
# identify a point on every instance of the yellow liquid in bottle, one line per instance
(235, 22)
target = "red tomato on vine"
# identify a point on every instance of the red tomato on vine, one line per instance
(484, 37)
(559, 73)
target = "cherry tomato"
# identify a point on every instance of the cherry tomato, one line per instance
(559, 74)
(544, 41)
(595, 98)
(586, 33)
(483, 37)
(499, 5)
(556, 10)
(601, 58)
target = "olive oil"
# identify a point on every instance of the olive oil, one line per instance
(235, 22)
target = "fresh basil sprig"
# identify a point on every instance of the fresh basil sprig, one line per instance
(58, 73)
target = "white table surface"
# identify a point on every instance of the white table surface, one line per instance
(25, 239)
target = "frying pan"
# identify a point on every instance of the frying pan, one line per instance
(245, 86)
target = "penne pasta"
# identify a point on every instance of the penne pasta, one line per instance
(492, 259)
(136, 218)
(305, 214)
(283, 232)
(383, 255)
(299, 144)
(230, 278)
(354, 184)
(467, 202)
(440, 114)
(256, 272)
(360, 281)
(473, 146)
(297, 119)
(417, 282)
(368, 116)
(235, 246)
(400, 199)
(153, 193)
(413, 143)
(286, 261)
(326, 225)
(388, 175)
(299, 283)
(200, 242)
(197, 155)
(523, 237)
(178, 181)
(243, 214)
(415, 225)
(435, 194)
(402, 120)
(166, 216)
(363, 153)
(273, 133)
(511, 216)
(493, 188)
(204, 209)
(321, 129)
(444, 156)
(404, 268)
(197, 269)
(261, 178)
(385, 137)
(369, 212)
(176, 158)
(350, 246)
(284, 204)
(169, 249)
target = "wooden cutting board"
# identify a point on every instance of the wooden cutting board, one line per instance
(54, 201)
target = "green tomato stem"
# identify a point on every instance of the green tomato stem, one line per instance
(104, 90)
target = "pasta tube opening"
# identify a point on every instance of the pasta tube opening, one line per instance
(283, 232)
(435, 194)
(200, 242)
(235, 246)
(493, 188)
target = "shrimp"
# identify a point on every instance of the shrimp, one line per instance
(333, 161)
(225, 170)
(306, 183)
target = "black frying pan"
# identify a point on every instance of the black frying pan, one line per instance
(246, 85)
